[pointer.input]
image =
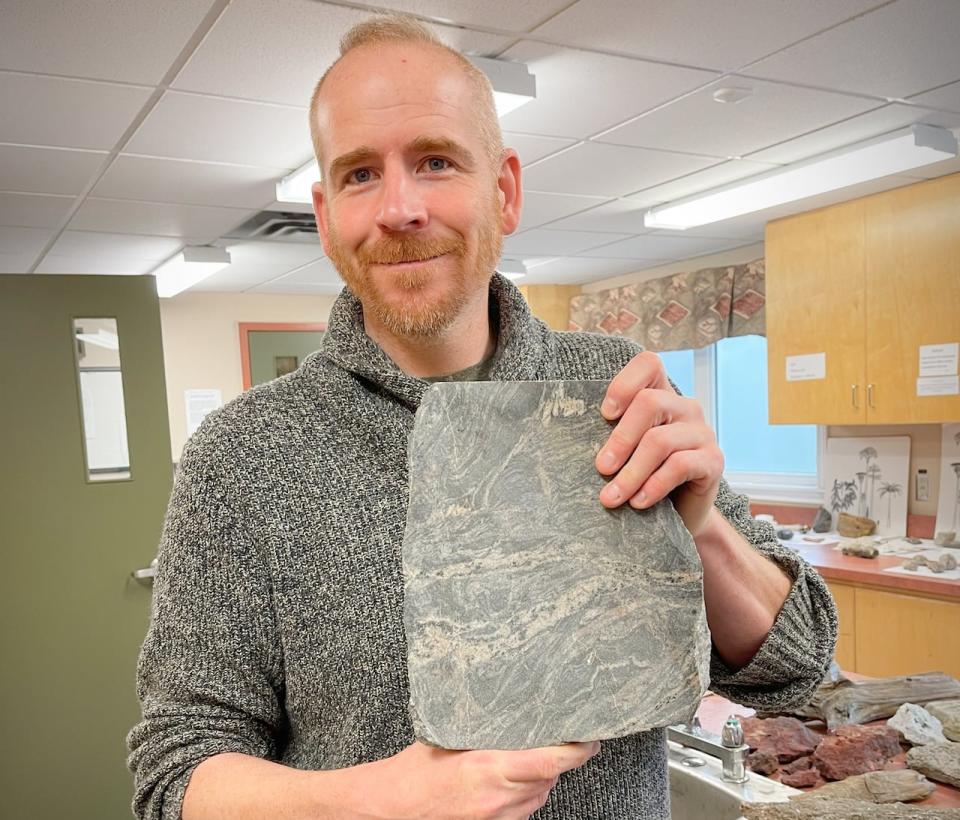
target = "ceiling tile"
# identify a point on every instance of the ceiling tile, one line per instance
(155, 218)
(580, 93)
(898, 50)
(719, 35)
(946, 97)
(224, 131)
(505, 15)
(539, 208)
(531, 148)
(16, 262)
(856, 129)
(23, 240)
(697, 124)
(95, 265)
(255, 53)
(544, 242)
(115, 246)
(47, 170)
(321, 272)
(33, 210)
(597, 169)
(67, 113)
(698, 181)
(617, 216)
(575, 270)
(664, 247)
(134, 41)
(188, 183)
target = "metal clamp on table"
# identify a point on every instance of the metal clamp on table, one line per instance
(728, 747)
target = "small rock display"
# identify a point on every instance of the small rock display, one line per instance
(948, 713)
(938, 761)
(900, 786)
(917, 726)
(785, 737)
(944, 563)
(855, 750)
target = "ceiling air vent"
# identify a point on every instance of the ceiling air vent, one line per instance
(281, 225)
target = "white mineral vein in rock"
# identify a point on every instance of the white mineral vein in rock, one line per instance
(533, 615)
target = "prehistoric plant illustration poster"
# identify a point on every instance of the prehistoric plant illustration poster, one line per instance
(948, 502)
(869, 477)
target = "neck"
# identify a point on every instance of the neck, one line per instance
(469, 340)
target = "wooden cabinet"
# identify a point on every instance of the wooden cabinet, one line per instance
(886, 633)
(865, 282)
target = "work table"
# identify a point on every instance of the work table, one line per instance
(714, 710)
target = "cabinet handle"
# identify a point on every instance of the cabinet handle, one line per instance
(870, 397)
(853, 396)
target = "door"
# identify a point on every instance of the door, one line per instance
(272, 349)
(73, 618)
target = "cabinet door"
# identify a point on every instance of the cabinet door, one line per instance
(913, 295)
(815, 304)
(846, 653)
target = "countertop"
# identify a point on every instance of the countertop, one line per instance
(714, 710)
(834, 565)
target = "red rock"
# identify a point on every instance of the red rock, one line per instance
(803, 779)
(797, 765)
(762, 761)
(786, 737)
(855, 750)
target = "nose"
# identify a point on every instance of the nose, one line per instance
(402, 207)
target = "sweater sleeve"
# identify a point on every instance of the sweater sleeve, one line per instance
(793, 659)
(209, 677)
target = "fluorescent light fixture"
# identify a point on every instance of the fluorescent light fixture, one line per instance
(102, 338)
(891, 154)
(513, 86)
(191, 265)
(512, 268)
(295, 187)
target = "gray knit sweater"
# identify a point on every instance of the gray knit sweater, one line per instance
(277, 625)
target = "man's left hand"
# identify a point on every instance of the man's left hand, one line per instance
(661, 445)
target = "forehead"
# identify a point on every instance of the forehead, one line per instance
(379, 93)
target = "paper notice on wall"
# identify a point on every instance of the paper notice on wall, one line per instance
(938, 386)
(939, 360)
(807, 367)
(199, 403)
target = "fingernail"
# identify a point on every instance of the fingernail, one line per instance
(612, 493)
(639, 500)
(608, 460)
(609, 407)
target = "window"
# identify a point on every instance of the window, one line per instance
(729, 379)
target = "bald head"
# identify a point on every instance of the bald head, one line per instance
(389, 45)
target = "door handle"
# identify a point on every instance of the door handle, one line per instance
(145, 575)
(853, 396)
(870, 397)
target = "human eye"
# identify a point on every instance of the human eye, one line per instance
(436, 164)
(359, 176)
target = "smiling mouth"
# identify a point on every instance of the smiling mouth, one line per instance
(411, 261)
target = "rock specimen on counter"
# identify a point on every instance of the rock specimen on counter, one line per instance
(944, 563)
(860, 549)
(946, 539)
(900, 786)
(855, 750)
(917, 726)
(823, 520)
(786, 737)
(948, 713)
(855, 526)
(534, 615)
(938, 761)
(826, 808)
(845, 701)
(803, 779)
(762, 761)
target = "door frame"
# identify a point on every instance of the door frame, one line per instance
(247, 327)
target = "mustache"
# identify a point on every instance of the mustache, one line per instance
(391, 250)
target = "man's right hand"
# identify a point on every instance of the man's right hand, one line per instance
(426, 782)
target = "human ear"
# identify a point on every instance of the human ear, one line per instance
(510, 191)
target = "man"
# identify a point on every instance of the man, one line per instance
(273, 678)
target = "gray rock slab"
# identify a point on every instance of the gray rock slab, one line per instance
(916, 725)
(899, 786)
(948, 713)
(827, 808)
(534, 615)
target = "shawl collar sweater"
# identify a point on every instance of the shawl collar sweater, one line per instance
(276, 629)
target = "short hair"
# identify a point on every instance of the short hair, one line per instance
(401, 28)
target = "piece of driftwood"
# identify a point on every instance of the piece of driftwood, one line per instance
(827, 808)
(855, 526)
(847, 702)
(900, 786)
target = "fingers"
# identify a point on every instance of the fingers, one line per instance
(643, 371)
(549, 762)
